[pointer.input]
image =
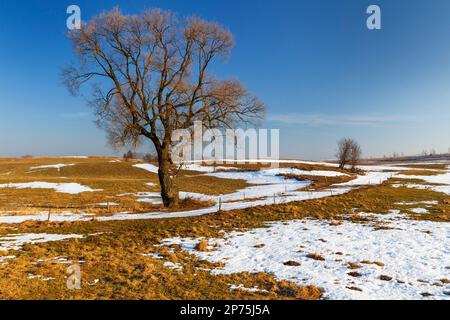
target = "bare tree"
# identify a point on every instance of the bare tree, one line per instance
(349, 152)
(150, 76)
(128, 155)
(343, 153)
(355, 154)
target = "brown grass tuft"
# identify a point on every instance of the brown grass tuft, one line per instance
(353, 265)
(202, 245)
(315, 256)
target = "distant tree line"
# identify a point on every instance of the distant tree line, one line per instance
(147, 157)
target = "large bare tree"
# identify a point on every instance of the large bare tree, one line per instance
(150, 76)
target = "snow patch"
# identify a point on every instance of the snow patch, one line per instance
(147, 166)
(298, 172)
(70, 188)
(173, 266)
(442, 189)
(76, 157)
(427, 203)
(414, 258)
(16, 241)
(206, 169)
(43, 216)
(419, 210)
(241, 287)
(105, 204)
(4, 259)
(53, 166)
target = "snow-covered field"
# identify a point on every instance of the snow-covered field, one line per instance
(408, 260)
(267, 187)
(405, 259)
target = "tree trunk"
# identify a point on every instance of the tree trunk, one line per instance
(169, 191)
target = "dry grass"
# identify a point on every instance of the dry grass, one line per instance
(116, 256)
(112, 178)
(315, 256)
(438, 166)
(354, 274)
(385, 278)
(202, 245)
(319, 182)
(422, 172)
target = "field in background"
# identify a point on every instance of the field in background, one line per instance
(116, 181)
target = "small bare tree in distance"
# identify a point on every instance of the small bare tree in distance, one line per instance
(349, 152)
(355, 154)
(150, 77)
(343, 153)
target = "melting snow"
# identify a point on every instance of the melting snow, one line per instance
(192, 167)
(173, 266)
(152, 255)
(53, 166)
(413, 257)
(427, 203)
(371, 178)
(442, 189)
(43, 216)
(234, 287)
(199, 168)
(298, 172)
(439, 178)
(16, 241)
(267, 188)
(70, 188)
(4, 259)
(419, 210)
(104, 204)
(76, 157)
(147, 166)
(442, 179)
(149, 197)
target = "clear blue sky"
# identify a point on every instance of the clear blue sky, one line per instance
(321, 72)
